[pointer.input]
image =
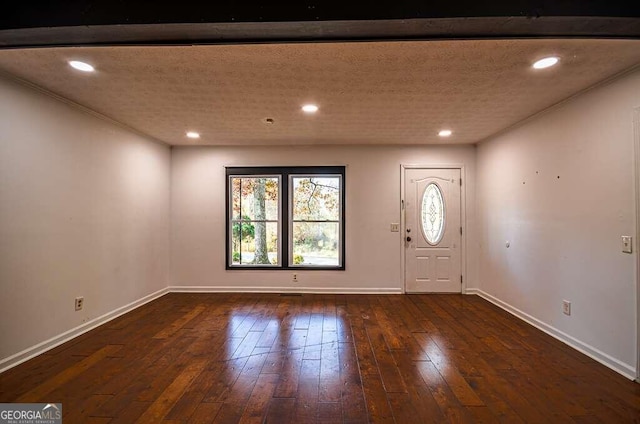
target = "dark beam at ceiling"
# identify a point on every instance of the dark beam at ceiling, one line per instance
(107, 22)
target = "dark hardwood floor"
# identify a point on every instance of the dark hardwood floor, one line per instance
(227, 358)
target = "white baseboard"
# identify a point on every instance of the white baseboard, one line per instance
(625, 369)
(20, 357)
(46, 345)
(310, 290)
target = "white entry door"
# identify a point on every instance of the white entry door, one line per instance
(433, 232)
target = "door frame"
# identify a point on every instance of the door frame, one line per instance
(635, 243)
(463, 219)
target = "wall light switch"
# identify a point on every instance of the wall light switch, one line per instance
(395, 228)
(626, 244)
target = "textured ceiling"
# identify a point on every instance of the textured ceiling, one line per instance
(368, 93)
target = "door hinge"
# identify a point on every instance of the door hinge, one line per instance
(460, 230)
(460, 181)
(461, 279)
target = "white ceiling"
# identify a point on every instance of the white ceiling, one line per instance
(368, 92)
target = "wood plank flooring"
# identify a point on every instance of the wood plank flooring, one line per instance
(253, 358)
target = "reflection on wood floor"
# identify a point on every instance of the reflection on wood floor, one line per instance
(226, 358)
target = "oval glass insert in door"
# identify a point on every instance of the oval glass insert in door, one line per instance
(432, 214)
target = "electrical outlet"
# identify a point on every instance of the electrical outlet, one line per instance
(395, 228)
(79, 303)
(566, 307)
(295, 278)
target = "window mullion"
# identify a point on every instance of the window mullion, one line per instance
(284, 220)
(240, 213)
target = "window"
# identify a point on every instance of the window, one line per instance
(432, 214)
(285, 218)
(254, 220)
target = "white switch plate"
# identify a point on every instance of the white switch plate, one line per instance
(626, 244)
(395, 228)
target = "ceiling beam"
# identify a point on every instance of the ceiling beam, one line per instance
(38, 23)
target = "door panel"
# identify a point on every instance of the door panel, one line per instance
(432, 231)
(443, 268)
(422, 268)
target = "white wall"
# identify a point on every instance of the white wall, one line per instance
(84, 211)
(372, 203)
(560, 189)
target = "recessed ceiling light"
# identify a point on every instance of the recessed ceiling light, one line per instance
(310, 108)
(546, 62)
(81, 66)
(445, 133)
(193, 134)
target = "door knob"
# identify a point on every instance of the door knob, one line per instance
(408, 238)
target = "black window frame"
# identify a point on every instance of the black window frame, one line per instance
(284, 173)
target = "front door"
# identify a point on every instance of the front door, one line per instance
(433, 233)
